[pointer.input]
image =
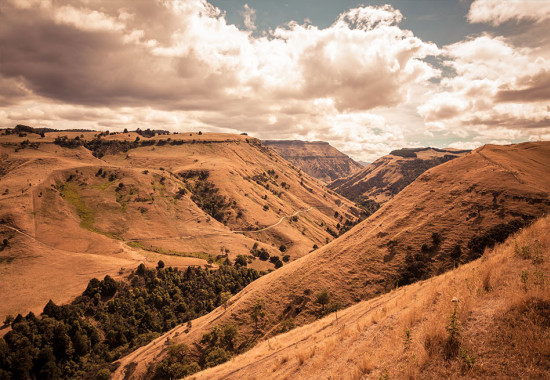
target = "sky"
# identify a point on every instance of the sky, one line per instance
(367, 76)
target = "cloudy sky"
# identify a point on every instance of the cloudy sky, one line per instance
(367, 76)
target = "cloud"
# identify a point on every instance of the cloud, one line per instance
(249, 16)
(497, 12)
(180, 61)
(85, 19)
(363, 83)
(496, 85)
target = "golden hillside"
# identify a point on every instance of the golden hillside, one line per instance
(500, 328)
(317, 158)
(387, 176)
(80, 207)
(446, 217)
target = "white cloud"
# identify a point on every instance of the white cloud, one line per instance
(86, 19)
(497, 12)
(249, 16)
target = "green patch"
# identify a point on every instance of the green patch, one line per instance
(169, 252)
(85, 214)
(102, 186)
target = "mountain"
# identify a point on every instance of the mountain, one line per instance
(78, 205)
(317, 158)
(449, 215)
(499, 330)
(383, 179)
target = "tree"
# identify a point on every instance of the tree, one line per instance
(224, 298)
(108, 286)
(258, 313)
(322, 298)
(241, 261)
(8, 321)
(282, 248)
(160, 264)
(141, 270)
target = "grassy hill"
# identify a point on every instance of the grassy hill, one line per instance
(383, 179)
(487, 319)
(77, 205)
(317, 158)
(446, 217)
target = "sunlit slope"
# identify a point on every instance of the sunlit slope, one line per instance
(446, 217)
(387, 176)
(500, 327)
(204, 198)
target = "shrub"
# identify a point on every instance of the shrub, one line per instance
(103, 374)
(241, 261)
(263, 255)
(282, 248)
(160, 264)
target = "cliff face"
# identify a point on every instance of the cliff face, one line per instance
(316, 158)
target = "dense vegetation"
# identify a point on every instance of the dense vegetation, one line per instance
(111, 319)
(205, 194)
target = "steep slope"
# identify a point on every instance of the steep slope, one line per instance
(317, 158)
(500, 329)
(447, 216)
(77, 207)
(387, 176)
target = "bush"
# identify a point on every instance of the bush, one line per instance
(241, 261)
(160, 264)
(103, 374)
(282, 248)
(263, 255)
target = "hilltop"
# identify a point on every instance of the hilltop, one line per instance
(317, 158)
(384, 178)
(81, 204)
(449, 215)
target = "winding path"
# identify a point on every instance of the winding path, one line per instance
(276, 224)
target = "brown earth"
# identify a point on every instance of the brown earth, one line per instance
(70, 216)
(472, 196)
(387, 176)
(317, 158)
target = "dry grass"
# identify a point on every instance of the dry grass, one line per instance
(504, 330)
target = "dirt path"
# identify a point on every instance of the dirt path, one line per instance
(276, 224)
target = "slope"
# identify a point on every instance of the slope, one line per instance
(317, 158)
(383, 179)
(77, 205)
(447, 216)
(499, 330)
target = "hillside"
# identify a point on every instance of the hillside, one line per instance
(384, 178)
(447, 216)
(501, 327)
(317, 158)
(77, 205)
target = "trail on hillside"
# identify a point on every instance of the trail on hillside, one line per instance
(279, 222)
